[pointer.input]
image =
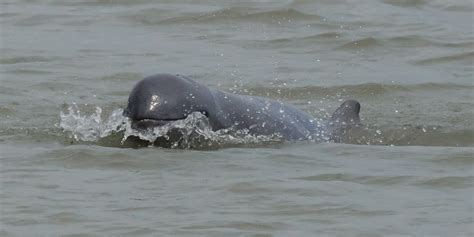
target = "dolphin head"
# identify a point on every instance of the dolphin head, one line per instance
(159, 99)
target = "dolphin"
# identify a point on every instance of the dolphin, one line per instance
(159, 99)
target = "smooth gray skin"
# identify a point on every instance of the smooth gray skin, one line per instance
(161, 98)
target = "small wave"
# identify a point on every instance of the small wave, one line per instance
(460, 159)
(234, 14)
(458, 6)
(467, 57)
(361, 43)
(103, 3)
(13, 91)
(307, 39)
(366, 179)
(327, 37)
(448, 182)
(29, 71)
(25, 59)
(410, 41)
(53, 86)
(39, 19)
(8, 14)
(238, 225)
(406, 3)
(353, 90)
(435, 182)
(420, 41)
(408, 135)
(6, 111)
(124, 76)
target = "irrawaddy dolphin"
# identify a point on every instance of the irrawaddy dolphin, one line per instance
(159, 99)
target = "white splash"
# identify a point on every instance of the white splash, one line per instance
(194, 131)
(91, 127)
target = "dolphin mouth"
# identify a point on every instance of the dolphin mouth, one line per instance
(144, 124)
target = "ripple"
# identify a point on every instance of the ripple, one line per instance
(29, 71)
(238, 226)
(467, 57)
(7, 111)
(25, 59)
(353, 90)
(448, 182)
(327, 209)
(247, 188)
(406, 3)
(84, 158)
(420, 41)
(125, 76)
(361, 43)
(226, 15)
(466, 159)
(442, 182)
(53, 86)
(408, 135)
(326, 37)
(40, 19)
(365, 179)
(66, 218)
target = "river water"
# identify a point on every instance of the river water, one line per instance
(67, 68)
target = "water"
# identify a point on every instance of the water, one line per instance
(67, 69)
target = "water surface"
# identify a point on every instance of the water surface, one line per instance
(409, 63)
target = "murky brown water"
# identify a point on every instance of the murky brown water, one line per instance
(409, 63)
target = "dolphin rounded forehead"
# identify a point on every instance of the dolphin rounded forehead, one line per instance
(166, 96)
(166, 85)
